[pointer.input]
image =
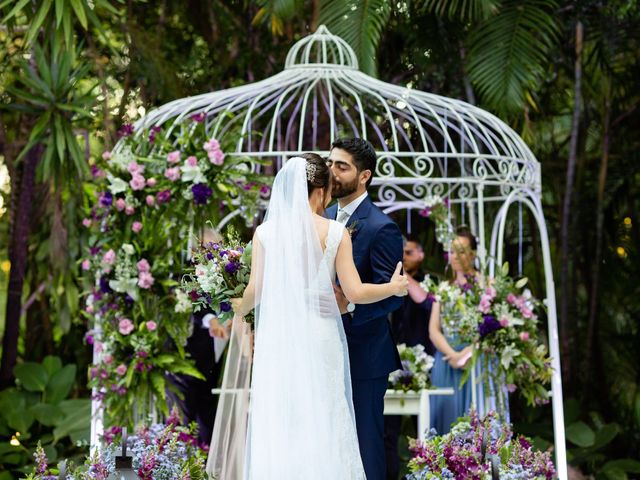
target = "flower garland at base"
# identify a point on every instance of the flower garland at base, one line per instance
(159, 452)
(468, 450)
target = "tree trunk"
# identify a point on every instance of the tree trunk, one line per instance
(18, 259)
(565, 327)
(595, 273)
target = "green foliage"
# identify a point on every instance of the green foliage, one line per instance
(463, 10)
(359, 23)
(39, 409)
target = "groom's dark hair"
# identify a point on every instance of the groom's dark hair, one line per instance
(363, 153)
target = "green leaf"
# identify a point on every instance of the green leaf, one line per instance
(37, 21)
(46, 414)
(32, 376)
(60, 384)
(67, 29)
(360, 24)
(60, 12)
(625, 464)
(52, 364)
(75, 421)
(78, 8)
(605, 435)
(17, 8)
(580, 434)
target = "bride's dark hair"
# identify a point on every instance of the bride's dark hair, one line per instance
(318, 172)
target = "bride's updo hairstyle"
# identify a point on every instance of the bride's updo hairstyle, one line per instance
(318, 172)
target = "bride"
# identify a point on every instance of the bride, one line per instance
(301, 422)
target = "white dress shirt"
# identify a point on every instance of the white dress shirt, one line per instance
(344, 213)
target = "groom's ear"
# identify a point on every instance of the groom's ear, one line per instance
(365, 175)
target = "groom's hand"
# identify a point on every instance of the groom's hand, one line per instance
(341, 299)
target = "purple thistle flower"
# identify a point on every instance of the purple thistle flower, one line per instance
(152, 135)
(198, 117)
(125, 130)
(201, 193)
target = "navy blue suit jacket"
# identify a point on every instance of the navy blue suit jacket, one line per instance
(377, 249)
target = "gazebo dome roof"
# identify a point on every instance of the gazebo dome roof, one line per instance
(429, 143)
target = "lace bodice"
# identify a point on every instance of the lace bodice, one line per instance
(334, 237)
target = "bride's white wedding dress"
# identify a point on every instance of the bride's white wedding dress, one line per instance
(301, 421)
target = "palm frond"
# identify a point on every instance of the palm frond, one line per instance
(509, 52)
(463, 10)
(360, 23)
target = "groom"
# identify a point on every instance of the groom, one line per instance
(377, 249)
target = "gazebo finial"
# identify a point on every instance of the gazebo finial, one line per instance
(321, 49)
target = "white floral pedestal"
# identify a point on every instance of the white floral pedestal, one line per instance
(398, 402)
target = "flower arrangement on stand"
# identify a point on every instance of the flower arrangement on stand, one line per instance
(150, 196)
(166, 451)
(220, 272)
(478, 449)
(414, 375)
(500, 320)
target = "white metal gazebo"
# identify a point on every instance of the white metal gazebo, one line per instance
(426, 144)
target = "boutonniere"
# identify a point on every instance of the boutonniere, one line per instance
(351, 229)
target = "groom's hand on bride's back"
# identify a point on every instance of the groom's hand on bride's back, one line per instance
(341, 299)
(399, 282)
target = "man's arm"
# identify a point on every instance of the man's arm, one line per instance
(386, 252)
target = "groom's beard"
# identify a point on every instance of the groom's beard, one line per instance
(341, 190)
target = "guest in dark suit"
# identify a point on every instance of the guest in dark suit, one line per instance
(199, 404)
(377, 249)
(410, 325)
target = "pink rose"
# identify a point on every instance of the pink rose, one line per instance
(121, 369)
(145, 280)
(212, 144)
(216, 157)
(89, 309)
(129, 210)
(106, 155)
(136, 227)
(524, 336)
(192, 161)
(134, 168)
(125, 326)
(151, 200)
(172, 174)
(151, 325)
(138, 182)
(173, 157)
(109, 257)
(108, 359)
(86, 265)
(120, 204)
(143, 266)
(526, 313)
(151, 182)
(98, 347)
(511, 299)
(86, 222)
(491, 292)
(504, 322)
(485, 304)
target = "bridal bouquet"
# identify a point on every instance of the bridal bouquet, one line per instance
(476, 448)
(414, 375)
(219, 273)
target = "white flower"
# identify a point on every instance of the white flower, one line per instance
(432, 200)
(122, 159)
(116, 185)
(183, 303)
(508, 354)
(126, 285)
(193, 174)
(128, 248)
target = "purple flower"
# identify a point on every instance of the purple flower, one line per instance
(125, 130)
(524, 443)
(198, 117)
(209, 256)
(194, 295)
(201, 193)
(225, 307)
(104, 285)
(96, 172)
(163, 196)
(153, 133)
(106, 199)
(488, 325)
(231, 268)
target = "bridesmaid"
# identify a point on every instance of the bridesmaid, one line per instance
(451, 355)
